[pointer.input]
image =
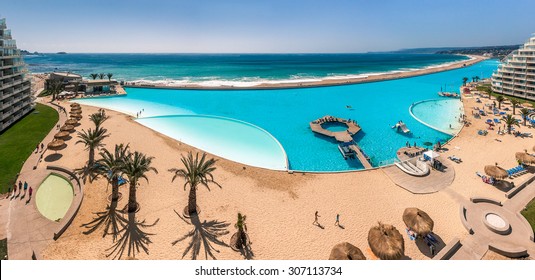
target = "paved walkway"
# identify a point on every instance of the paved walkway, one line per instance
(27, 231)
(434, 182)
(517, 241)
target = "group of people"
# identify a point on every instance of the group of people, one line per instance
(37, 148)
(408, 145)
(316, 222)
(20, 186)
(139, 113)
(332, 119)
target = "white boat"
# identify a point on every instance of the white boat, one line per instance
(414, 166)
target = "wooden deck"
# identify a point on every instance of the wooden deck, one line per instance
(342, 136)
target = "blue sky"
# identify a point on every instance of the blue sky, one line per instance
(274, 26)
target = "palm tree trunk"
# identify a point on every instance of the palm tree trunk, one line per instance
(132, 203)
(114, 188)
(91, 157)
(192, 200)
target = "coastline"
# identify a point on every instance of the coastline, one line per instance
(473, 59)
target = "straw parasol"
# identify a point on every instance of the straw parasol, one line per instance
(67, 128)
(533, 148)
(61, 134)
(525, 158)
(71, 122)
(418, 221)
(496, 172)
(386, 242)
(346, 251)
(56, 145)
(76, 111)
(75, 105)
(76, 116)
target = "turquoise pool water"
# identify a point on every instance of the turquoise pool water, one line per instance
(439, 113)
(286, 113)
(228, 138)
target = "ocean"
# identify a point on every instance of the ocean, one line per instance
(234, 69)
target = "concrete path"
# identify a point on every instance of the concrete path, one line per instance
(431, 183)
(27, 231)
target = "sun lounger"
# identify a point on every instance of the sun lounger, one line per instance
(455, 159)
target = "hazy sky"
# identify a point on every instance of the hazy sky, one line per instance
(264, 26)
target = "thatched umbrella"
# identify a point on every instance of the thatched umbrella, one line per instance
(75, 105)
(71, 122)
(56, 145)
(76, 111)
(533, 148)
(346, 251)
(525, 158)
(61, 134)
(76, 116)
(418, 221)
(386, 242)
(67, 128)
(496, 172)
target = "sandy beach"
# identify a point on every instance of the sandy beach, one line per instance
(473, 59)
(279, 206)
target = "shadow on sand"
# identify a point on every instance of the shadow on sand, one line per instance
(128, 233)
(203, 233)
(422, 246)
(53, 157)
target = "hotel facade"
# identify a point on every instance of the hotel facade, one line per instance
(15, 87)
(516, 75)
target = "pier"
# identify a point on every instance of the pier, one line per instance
(342, 136)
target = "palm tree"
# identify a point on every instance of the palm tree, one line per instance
(98, 118)
(111, 166)
(101, 76)
(509, 121)
(136, 166)
(489, 91)
(197, 171)
(54, 88)
(524, 112)
(515, 102)
(500, 99)
(109, 75)
(92, 139)
(241, 236)
(477, 78)
(94, 76)
(465, 79)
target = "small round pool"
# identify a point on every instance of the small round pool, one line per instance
(54, 197)
(335, 126)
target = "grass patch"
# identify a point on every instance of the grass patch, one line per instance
(3, 249)
(18, 142)
(529, 214)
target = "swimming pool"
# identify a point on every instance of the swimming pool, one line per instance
(227, 138)
(285, 114)
(433, 113)
(54, 197)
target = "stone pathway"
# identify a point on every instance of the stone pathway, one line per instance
(511, 235)
(27, 231)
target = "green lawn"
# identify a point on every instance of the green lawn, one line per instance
(529, 213)
(19, 141)
(3, 249)
(484, 87)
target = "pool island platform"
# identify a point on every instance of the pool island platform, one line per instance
(345, 136)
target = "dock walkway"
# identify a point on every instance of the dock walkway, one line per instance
(342, 136)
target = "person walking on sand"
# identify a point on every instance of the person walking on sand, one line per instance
(30, 191)
(42, 147)
(20, 187)
(316, 216)
(337, 223)
(25, 186)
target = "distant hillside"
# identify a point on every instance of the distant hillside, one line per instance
(25, 52)
(493, 51)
